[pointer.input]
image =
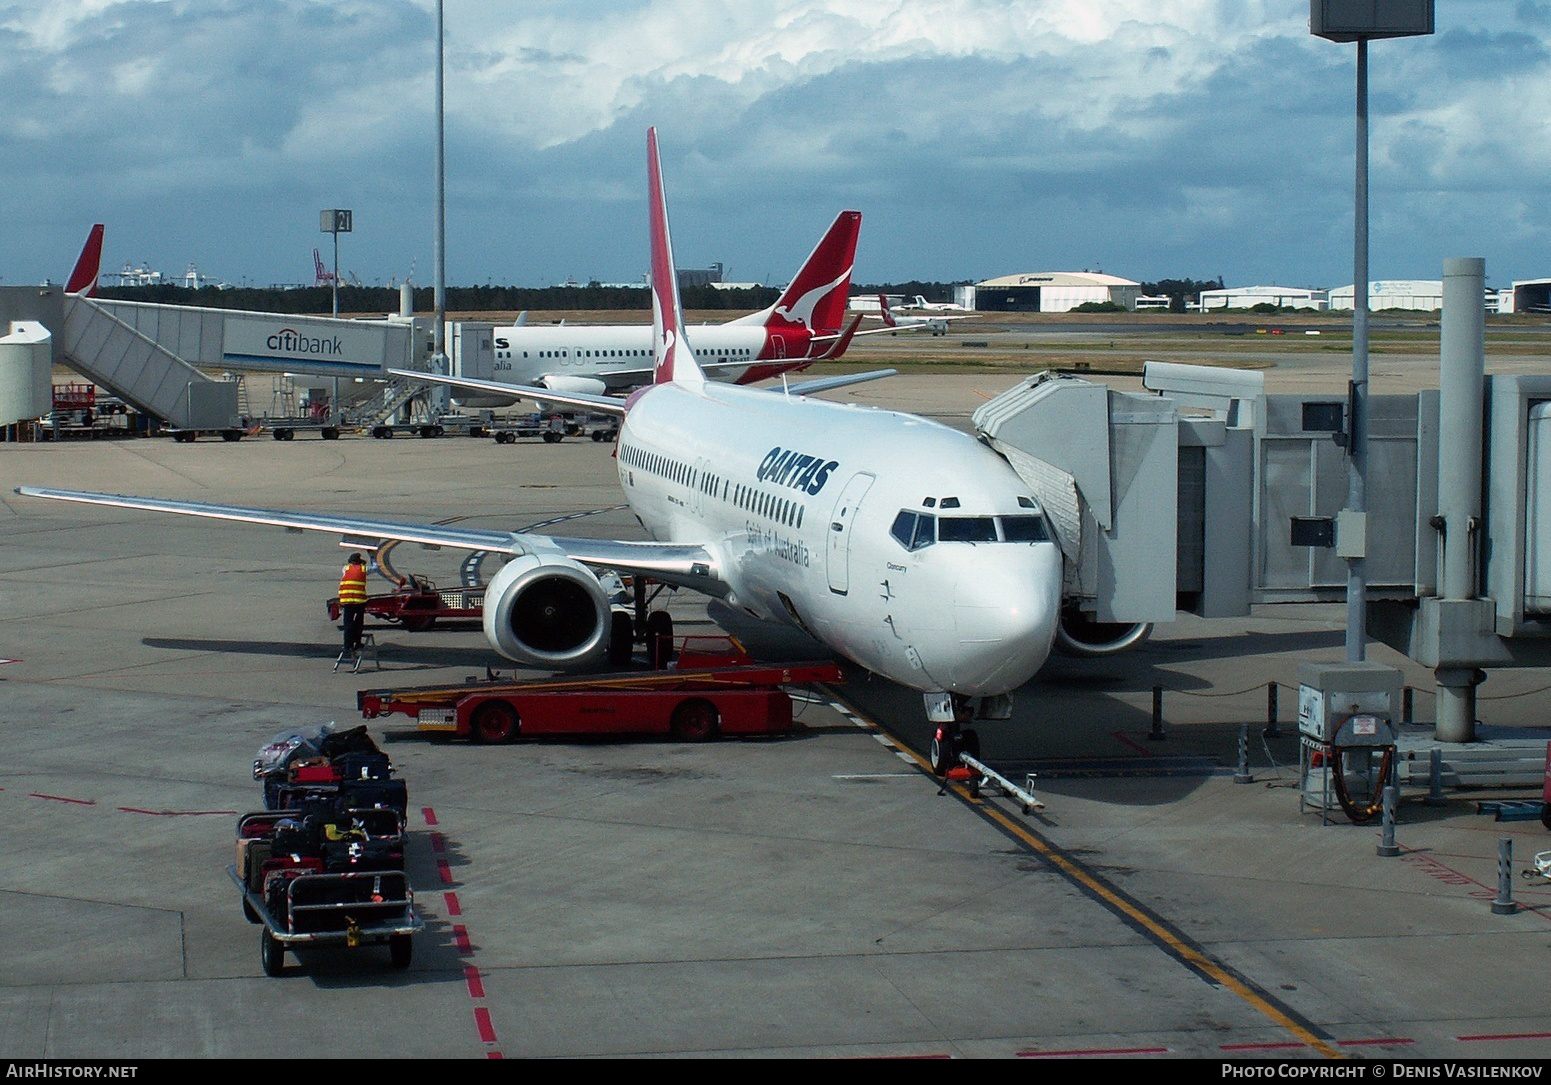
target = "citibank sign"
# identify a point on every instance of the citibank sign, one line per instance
(292, 341)
(260, 342)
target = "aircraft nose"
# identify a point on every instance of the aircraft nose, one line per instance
(1005, 612)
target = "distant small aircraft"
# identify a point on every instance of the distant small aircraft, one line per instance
(919, 304)
(937, 324)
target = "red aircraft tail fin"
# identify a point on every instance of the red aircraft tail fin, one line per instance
(83, 280)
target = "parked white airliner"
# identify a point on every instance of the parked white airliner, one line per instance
(899, 543)
(803, 326)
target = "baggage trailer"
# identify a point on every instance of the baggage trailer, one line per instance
(420, 604)
(701, 697)
(350, 891)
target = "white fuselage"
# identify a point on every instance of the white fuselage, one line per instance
(804, 502)
(620, 355)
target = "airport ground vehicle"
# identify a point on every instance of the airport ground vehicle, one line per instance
(340, 882)
(709, 691)
(286, 429)
(554, 428)
(419, 604)
(323, 863)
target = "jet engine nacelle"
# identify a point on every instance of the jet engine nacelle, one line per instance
(547, 612)
(1079, 635)
(564, 382)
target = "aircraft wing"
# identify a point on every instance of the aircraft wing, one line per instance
(355, 531)
(582, 400)
(825, 384)
(684, 565)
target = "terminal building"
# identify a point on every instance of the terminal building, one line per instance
(1047, 292)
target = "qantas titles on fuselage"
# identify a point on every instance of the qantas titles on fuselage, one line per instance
(795, 469)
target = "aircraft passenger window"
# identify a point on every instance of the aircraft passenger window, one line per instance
(1024, 529)
(966, 528)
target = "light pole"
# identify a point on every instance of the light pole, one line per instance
(335, 221)
(1345, 21)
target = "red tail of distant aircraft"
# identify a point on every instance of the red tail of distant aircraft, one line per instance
(83, 280)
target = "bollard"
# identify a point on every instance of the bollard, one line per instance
(1387, 846)
(1156, 734)
(1243, 776)
(1272, 730)
(1504, 904)
(1435, 778)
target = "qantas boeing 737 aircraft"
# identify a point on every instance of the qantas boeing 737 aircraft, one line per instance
(899, 543)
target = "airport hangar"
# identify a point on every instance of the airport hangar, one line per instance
(1047, 292)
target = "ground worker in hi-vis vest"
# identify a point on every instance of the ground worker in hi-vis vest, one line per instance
(352, 601)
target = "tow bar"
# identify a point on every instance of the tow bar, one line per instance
(968, 768)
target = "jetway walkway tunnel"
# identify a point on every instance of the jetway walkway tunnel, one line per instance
(158, 358)
(1254, 484)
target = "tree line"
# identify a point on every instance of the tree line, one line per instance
(318, 300)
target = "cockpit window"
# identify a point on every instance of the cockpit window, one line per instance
(914, 530)
(917, 530)
(966, 529)
(1024, 529)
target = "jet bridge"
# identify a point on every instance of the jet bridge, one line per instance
(1253, 487)
(155, 357)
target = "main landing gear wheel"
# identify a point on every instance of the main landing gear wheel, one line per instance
(271, 953)
(621, 639)
(659, 639)
(695, 721)
(493, 722)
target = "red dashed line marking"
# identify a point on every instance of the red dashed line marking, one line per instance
(482, 1022)
(1120, 737)
(1260, 1047)
(472, 980)
(61, 798)
(1377, 1042)
(1093, 1052)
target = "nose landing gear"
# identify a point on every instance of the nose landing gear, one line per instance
(952, 738)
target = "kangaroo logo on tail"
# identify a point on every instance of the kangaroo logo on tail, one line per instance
(816, 298)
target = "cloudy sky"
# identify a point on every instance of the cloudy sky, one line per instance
(1144, 138)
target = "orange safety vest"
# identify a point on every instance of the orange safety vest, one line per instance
(352, 585)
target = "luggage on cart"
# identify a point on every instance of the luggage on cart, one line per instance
(364, 794)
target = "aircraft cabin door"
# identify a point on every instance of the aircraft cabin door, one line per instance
(838, 548)
(778, 346)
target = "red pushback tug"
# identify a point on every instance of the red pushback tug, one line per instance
(709, 690)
